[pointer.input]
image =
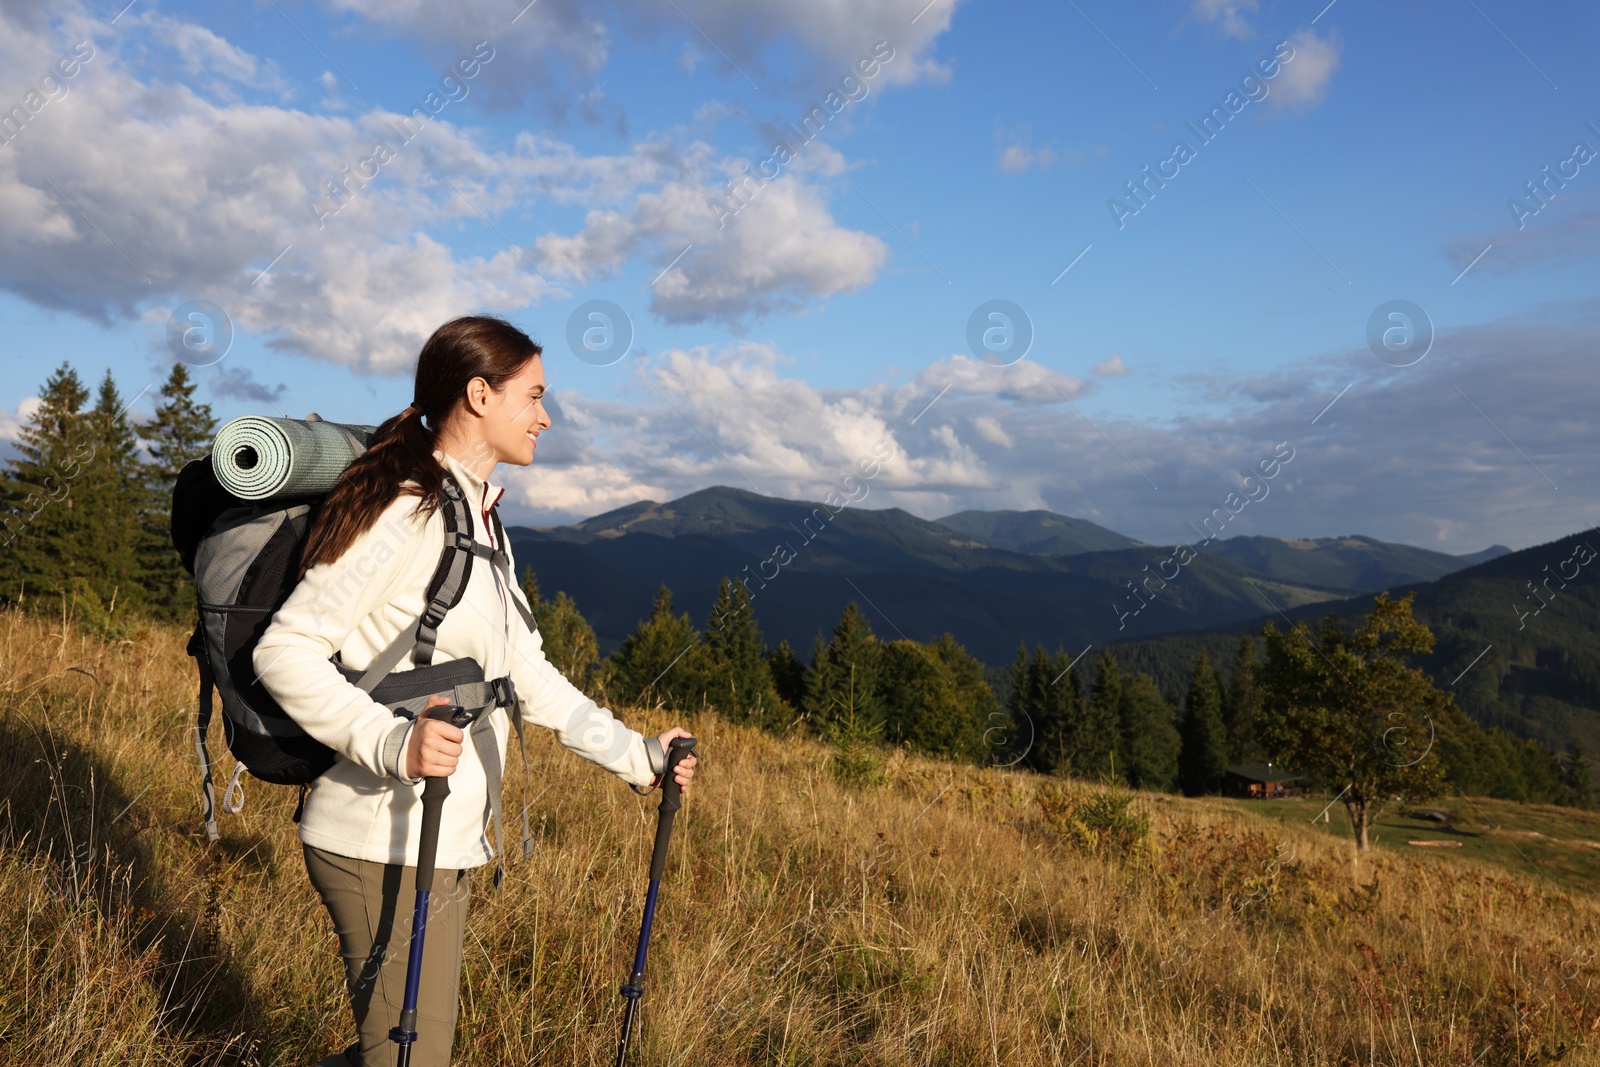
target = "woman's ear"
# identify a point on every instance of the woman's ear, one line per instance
(477, 396)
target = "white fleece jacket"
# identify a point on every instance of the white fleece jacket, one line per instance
(362, 807)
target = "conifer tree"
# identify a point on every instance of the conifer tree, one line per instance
(1241, 707)
(1024, 704)
(1047, 710)
(662, 659)
(568, 641)
(1577, 776)
(1098, 739)
(854, 737)
(113, 498)
(789, 678)
(738, 681)
(181, 431)
(1150, 739)
(1063, 712)
(1204, 752)
(845, 673)
(41, 533)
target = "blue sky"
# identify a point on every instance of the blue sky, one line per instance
(579, 161)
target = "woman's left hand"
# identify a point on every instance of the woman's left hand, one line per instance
(685, 768)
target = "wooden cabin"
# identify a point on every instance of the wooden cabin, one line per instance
(1261, 781)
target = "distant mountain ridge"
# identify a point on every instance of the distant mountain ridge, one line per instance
(992, 579)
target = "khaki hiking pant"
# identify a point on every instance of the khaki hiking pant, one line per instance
(372, 905)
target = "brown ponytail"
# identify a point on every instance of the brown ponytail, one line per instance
(401, 449)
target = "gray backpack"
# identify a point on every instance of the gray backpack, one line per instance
(244, 556)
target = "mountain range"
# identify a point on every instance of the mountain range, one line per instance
(991, 578)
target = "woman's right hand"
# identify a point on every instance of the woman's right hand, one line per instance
(434, 746)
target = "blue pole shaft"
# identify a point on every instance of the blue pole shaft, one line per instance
(644, 929)
(414, 964)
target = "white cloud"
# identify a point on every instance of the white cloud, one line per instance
(11, 422)
(1402, 450)
(1111, 368)
(776, 252)
(1228, 15)
(203, 54)
(557, 49)
(989, 429)
(141, 194)
(1303, 81)
(1025, 382)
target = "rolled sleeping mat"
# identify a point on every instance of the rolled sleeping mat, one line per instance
(260, 458)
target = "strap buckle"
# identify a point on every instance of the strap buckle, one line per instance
(505, 691)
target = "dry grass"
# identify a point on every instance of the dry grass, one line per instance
(939, 920)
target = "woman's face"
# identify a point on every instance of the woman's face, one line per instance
(513, 417)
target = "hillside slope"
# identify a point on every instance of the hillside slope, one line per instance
(1517, 639)
(940, 919)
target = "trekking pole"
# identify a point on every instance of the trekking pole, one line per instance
(434, 790)
(670, 803)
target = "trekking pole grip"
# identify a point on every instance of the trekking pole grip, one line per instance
(671, 801)
(671, 791)
(434, 790)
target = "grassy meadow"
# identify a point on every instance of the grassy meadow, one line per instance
(952, 916)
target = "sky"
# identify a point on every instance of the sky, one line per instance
(1098, 258)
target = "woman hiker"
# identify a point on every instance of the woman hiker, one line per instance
(365, 573)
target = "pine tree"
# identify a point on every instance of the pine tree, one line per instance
(1204, 752)
(113, 498)
(1577, 776)
(1063, 713)
(1097, 742)
(1241, 707)
(662, 659)
(1046, 707)
(42, 533)
(846, 670)
(1024, 704)
(567, 639)
(181, 431)
(738, 681)
(854, 738)
(789, 678)
(1149, 735)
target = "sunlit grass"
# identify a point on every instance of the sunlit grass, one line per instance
(940, 919)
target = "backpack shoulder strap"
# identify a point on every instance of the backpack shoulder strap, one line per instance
(501, 560)
(449, 582)
(445, 589)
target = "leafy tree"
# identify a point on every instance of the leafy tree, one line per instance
(1150, 739)
(181, 431)
(1349, 709)
(936, 699)
(1097, 741)
(1241, 707)
(844, 673)
(42, 533)
(569, 641)
(662, 659)
(1204, 752)
(738, 681)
